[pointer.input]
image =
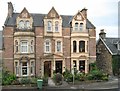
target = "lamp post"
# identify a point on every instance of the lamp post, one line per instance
(73, 74)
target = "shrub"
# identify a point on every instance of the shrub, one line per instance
(25, 81)
(33, 80)
(45, 80)
(7, 77)
(97, 75)
(66, 74)
(58, 78)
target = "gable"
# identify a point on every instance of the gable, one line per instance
(79, 16)
(24, 14)
(53, 13)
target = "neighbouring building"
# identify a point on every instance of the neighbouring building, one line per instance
(108, 50)
(1, 50)
(39, 44)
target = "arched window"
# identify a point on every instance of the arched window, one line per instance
(81, 46)
(27, 24)
(74, 46)
(32, 47)
(16, 46)
(76, 26)
(49, 25)
(81, 26)
(56, 26)
(21, 24)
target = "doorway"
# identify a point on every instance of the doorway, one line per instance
(47, 68)
(58, 65)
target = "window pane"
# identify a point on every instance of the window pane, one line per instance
(81, 26)
(82, 65)
(74, 46)
(16, 68)
(56, 26)
(24, 47)
(24, 68)
(47, 46)
(31, 47)
(76, 26)
(21, 24)
(32, 67)
(58, 46)
(27, 24)
(16, 45)
(81, 46)
(49, 26)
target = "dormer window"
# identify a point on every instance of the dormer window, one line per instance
(81, 26)
(76, 26)
(49, 26)
(21, 24)
(56, 26)
(27, 24)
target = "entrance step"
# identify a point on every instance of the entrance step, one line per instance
(50, 82)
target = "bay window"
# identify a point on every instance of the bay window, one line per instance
(24, 47)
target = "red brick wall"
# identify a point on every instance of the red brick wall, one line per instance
(92, 44)
(66, 46)
(39, 47)
(8, 45)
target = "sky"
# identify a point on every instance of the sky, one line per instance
(102, 13)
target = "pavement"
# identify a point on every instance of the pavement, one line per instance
(111, 85)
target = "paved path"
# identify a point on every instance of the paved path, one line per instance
(50, 82)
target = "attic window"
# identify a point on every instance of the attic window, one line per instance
(49, 26)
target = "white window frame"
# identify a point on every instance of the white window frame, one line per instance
(56, 26)
(47, 45)
(76, 26)
(27, 24)
(16, 46)
(24, 67)
(58, 46)
(49, 26)
(17, 69)
(32, 67)
(32, 47)
(22, 45)
(81, 27)
(21, 24)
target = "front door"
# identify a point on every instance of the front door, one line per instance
(47, 68)
(58, 67)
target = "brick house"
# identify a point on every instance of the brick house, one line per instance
(38, 44)
(108, 50)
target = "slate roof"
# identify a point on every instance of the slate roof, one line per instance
(38, 20)
(111, 43)
(1, 40)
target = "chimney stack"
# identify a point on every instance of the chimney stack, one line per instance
(10, 9)
(102, 34)
(84, 12)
